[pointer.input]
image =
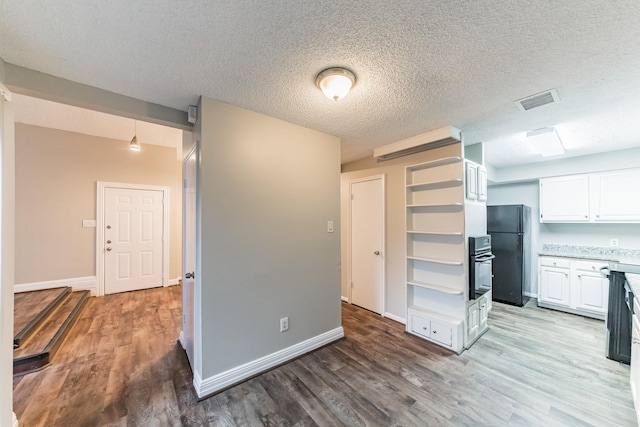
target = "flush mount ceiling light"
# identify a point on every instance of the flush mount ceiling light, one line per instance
(134, 145)
(545, 141)
(335, 82)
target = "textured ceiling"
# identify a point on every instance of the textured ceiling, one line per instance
(420, 64)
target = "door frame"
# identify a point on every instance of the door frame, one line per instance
(100, 205)
(383, 233)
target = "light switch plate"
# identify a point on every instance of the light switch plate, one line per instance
(329, 226)
(88, 223)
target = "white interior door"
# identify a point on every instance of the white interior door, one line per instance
(367, 243)
(189, 175)
(133, 239)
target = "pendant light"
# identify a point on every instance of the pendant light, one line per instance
(335, 82)
(134, 145)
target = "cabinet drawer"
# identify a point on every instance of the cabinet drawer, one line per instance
(441, 333)
(421, 326)
(555, 262)
(593, 266)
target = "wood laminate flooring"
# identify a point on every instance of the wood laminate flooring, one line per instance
(122, 366)
(29, 305)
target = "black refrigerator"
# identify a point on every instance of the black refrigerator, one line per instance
(510, 230)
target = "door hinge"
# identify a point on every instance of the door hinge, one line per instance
(352, 197)
(185, 183)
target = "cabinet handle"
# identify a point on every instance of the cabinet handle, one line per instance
(635, 341)
(579, 276)
(424, 328)
(434, 332)
(597, 215)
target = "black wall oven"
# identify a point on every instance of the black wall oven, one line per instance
(480, 262)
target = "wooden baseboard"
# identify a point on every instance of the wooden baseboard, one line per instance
(88, 283)
(207, 386)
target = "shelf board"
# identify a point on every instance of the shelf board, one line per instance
(435, 260)
(434, 163)
(438, 288)
(444, 183)
(436, 233)
(436, 205)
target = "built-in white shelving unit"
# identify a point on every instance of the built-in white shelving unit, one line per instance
(436, 251)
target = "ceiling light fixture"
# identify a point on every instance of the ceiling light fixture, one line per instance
(335, 82)
(134, 145)
(546, 142)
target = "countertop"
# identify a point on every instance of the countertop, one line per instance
(596, 253)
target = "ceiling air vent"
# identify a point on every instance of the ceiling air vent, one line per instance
(415, 144)
(538, 100)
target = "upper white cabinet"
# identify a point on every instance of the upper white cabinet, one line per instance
(475, 181)
(597, 197)
(564, 199)
(616, 196)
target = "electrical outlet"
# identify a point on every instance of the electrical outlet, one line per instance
(613, 242)
(284, 324)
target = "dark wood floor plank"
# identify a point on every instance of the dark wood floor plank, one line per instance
(122, 366)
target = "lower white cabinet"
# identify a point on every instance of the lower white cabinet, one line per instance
(634, 379)
(477, 315)
(575, 286)
(435, 327)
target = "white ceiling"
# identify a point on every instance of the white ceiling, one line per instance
(420, 64)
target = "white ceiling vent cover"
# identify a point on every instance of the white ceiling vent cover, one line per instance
(425, 141)
(537, 100)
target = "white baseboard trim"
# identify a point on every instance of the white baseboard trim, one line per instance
(173, 282)
(15, 420)
(239, 373)
(182, 340)
(396, 318)
(345, 299)
(89, 283)
(530, 295)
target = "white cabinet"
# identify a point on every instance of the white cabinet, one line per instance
(482, 183)
(475, 181)
(634, 375)
(616, 196)
(574, 286)
(597, 197)
(476, 321)
(440, 329)
(564, 199)
(591, 289)
(554, 283)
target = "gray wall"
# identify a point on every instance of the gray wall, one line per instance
(268, 189)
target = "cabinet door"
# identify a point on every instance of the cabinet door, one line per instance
(616, 196)
(564, 199)
(473, 320)
(471, 180)
(635, 363)
(554, 286)
(592, 292)
(483, 310)
(441, 333)
(482, 183)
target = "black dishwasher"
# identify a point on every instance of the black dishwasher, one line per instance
(619, 318)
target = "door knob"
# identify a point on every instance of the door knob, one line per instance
(190, 275)
(108, 249)
(376, 253)
(108, 241)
